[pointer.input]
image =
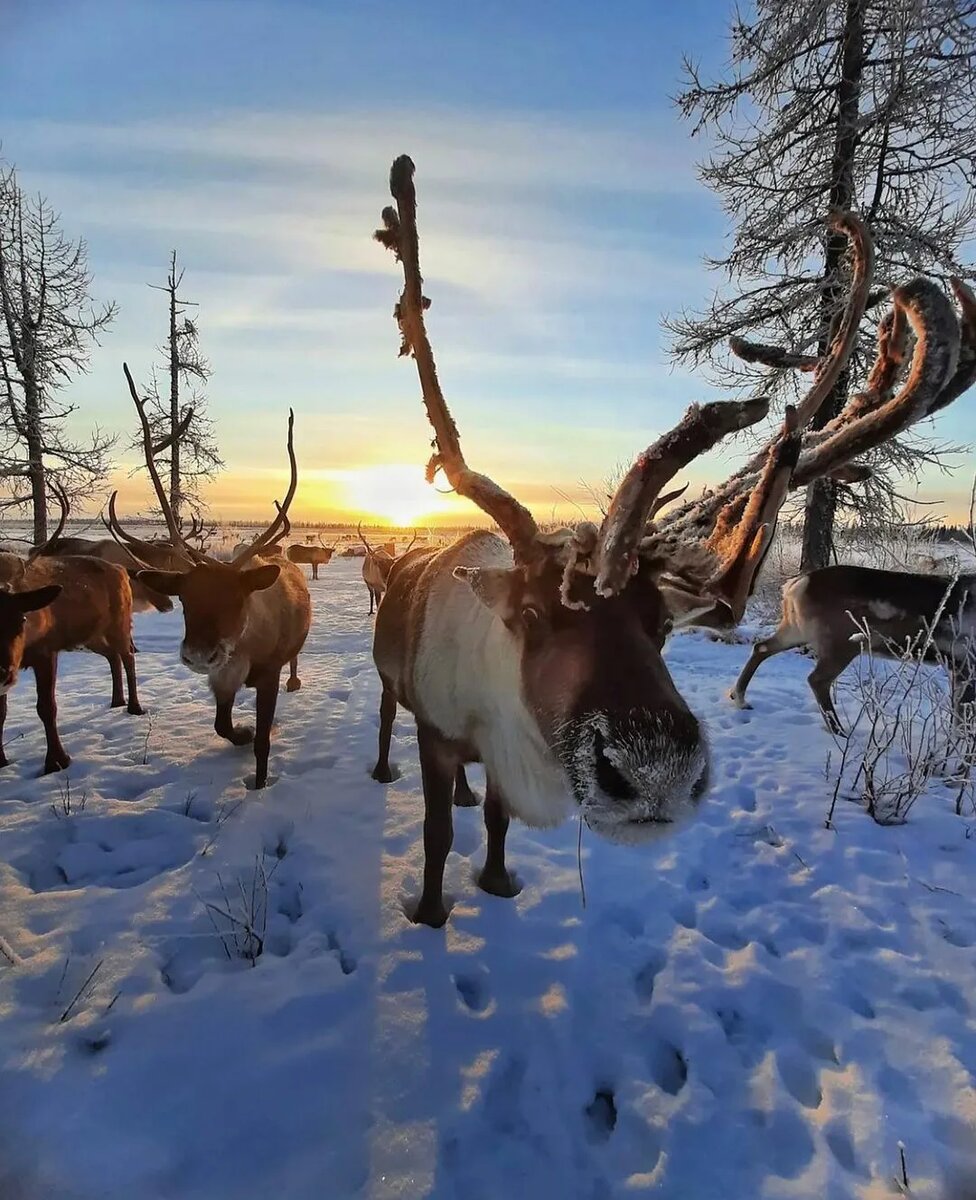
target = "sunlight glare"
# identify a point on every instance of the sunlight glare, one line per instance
(396, 493)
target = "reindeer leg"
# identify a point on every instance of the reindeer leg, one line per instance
(115, 666)
(46, 678)
(294, 683)
(823, 675)
(4, 761)
(370, 601)
(129, 663)
(224, 725)
(315, 570)
(437, 767)
(267, 700)
(463, 795)
(785, 638)
(388, 711)
(495, 877)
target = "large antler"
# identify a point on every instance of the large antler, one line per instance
(399, 234)
(150, 450)
(280, 526)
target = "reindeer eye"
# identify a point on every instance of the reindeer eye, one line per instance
(531, 616)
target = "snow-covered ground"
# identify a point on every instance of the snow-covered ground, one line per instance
(757, 1007)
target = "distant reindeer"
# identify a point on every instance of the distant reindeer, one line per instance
(315, 556)
(377, 565)
(56, 604)
(244, 620)
(830, 609)
(540, 654)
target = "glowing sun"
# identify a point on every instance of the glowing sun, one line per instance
(396, 493)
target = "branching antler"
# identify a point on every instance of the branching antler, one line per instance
(399, 234)
(280, 526)
(149, 454)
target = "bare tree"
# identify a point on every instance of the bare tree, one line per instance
(47, 330)
(867, 105)
(190, 453)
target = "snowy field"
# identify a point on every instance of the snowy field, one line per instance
(756, 1007)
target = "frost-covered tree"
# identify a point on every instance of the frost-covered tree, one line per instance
(191, 455)
(48, 326)
(867, 105)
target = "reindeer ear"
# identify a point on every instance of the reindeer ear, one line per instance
(690, 607)
(493, 586)
(166, 582)
(39, 598)
(259, 578)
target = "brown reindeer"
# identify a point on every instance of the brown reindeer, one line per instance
(244, 620)
(315, 556)
(840, 611)
(57, 604)
(539, 654)
(377, 565)
(109, 550)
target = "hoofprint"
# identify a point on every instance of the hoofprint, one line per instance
(753, 1007)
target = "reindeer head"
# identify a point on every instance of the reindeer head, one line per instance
(589, 609)
(14, 608)
(214, 594)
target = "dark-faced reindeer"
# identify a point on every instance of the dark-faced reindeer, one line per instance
(540, 654)
(55, 604)
(377, 566)
(840, 611)
(314, 556)
(244, 619)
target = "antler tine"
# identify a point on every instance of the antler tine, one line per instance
(845, 334)
(285, 524)
(664, 500)
(934, 381)
(965, 375)
(172, 524)
(359, 530)
(623, 526)
(62, 499)
(410, 544)
(772, 356)
(399, 234)
(269, 535)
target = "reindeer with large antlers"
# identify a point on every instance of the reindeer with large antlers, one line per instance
(540, 654)
(244, 620)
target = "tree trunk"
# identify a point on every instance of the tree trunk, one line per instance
(35, 460)
(821, 498)
(174, 398)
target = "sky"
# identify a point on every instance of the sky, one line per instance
(560, 219)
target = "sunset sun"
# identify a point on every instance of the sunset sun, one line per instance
(396, 493)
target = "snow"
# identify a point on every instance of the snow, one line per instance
(755, 1007)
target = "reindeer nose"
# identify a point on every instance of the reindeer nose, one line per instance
(213, 658)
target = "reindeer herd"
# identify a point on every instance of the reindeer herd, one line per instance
(536, 652)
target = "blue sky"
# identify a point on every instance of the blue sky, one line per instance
(560, 217)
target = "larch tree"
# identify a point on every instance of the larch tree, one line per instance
(176, 406)
(48, 326)
(867, 105)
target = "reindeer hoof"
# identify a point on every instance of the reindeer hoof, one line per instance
(293, 685)
(241, 735)
(383, 774)
(136, 710)
(56, 763)
(434, 915)
(499, 883)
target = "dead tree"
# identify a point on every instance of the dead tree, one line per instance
(190, 456)
(867, 105)
(48, 325)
